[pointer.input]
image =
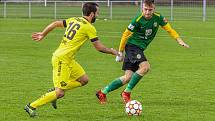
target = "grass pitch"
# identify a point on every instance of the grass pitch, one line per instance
(179, 87)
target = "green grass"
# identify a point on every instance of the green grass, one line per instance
(179, 87)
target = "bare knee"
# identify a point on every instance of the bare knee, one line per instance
(83, 80)
(144, 68)
(126, 78)
(59, 93)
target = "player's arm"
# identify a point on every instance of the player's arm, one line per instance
(126, 34)
(102, 48)
(132, 27)
(38, 36)
(174, 34)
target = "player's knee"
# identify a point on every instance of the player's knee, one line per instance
(59, 93)
(144, 69)
(147, 69)
(84, 81)
(126, 79)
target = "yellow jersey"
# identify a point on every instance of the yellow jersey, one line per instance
(78, 31)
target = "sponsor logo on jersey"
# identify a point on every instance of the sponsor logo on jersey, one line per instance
(148, 32)
(131, 27)
(63, 83)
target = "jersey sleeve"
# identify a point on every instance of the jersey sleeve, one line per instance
(134, 25)
(92, 34)
(162, 21)
(66, 22)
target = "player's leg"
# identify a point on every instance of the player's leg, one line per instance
(30, 110)
(135, 78)
(126, 96)
(61, 75)
(115, 84)
(74, 71)
(68, 77)
(51, 95)
(54, 102)
(83, 79)
(44, 99)
(72, 74)
(61, 72)
(136, 61)
(59, 93)
(78, 76)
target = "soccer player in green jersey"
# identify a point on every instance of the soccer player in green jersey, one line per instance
(67, 73)
(137, 36)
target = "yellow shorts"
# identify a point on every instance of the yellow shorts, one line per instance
(64, 73)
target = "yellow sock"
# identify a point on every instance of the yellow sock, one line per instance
(73, 84)
(46, 98)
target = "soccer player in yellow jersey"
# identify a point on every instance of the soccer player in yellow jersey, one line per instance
(67, 73)
(137, 36)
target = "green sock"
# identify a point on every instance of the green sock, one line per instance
(115, 84)
(135, 78)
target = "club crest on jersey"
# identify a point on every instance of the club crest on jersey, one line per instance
(155, 24)
(138, 56)
(131, 27)
(148, 32)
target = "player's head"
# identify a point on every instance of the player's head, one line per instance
(148, 8)
(91, 10)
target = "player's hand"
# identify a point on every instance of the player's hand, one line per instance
(120, 57)
(37, 36)
(182, 43)
(114, 52)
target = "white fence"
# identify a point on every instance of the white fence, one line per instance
(172, 9)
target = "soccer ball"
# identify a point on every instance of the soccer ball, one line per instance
(133, 107)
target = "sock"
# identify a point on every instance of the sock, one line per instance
(135, 78)
(115, 84)
(73, 84)
(51, 96)
(46, 98)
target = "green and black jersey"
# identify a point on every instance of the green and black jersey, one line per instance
(144, 30)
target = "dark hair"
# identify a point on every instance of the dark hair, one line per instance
(148, 2)
(89, 7)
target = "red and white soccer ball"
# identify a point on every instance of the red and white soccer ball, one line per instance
(133, 107)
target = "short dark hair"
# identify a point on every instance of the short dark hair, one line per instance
(89, 7)
(148, 2)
